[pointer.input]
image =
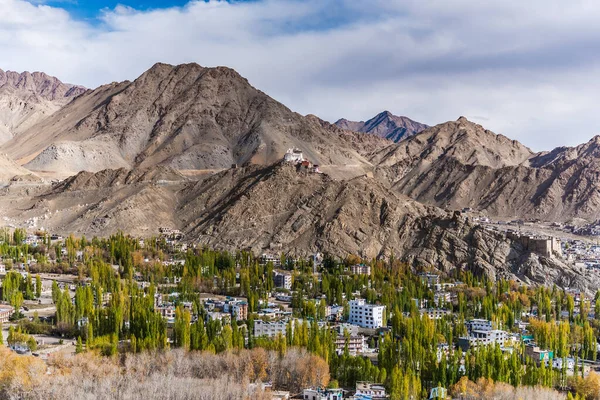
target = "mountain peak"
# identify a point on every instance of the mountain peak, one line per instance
(40, 84)
(385, 125)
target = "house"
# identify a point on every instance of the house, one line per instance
(2, 269)
(360, 269)
(366, 315)
(270, 258)
(557, 363)
(429, 279)
(435, 313)
(334, 313)
(323, 394)
(356, 344)
(5, 313)
(438, 393)
(237, 308)
(538, 355)
(368, 390)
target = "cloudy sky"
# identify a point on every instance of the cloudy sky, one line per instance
(529, 70)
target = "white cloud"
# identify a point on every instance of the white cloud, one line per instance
(528, 70)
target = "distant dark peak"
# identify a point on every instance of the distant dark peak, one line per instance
(385, 125)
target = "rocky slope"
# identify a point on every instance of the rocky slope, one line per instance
(28, 98)
(460, 164)
(283, 208)
(186, 117)
(385, 125)
(10, 171)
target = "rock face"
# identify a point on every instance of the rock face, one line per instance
(186, 117)
(28, 98)
(385, 125)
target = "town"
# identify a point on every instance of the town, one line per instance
(380, 329)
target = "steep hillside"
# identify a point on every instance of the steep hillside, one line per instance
(28, 98)
(385, 125)
(460, 164)
(282, 208)
(186, 117)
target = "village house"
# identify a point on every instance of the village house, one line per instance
(5, 313)
(368, 390)
(323, 394)
(360, 269)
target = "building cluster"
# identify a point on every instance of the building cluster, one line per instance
(363, 391)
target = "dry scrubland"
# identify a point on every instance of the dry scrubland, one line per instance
(168, 375)
(206, 376)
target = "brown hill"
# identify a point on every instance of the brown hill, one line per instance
(460, 164)
(28, 98)
(385, 125)
(11, 171)
(186, 117)
(280, 208)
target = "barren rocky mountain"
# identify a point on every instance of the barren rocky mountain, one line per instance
(28, 98)
(284, 208)
(158, 151)
(187, 117)
(460, 164)
(385, 125)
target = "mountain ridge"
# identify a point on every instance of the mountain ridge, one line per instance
(385, 125)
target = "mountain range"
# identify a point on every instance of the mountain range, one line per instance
(200, 149)
(27, 98)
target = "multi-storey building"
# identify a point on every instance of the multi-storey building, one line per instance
(5, 313)
(270, 329)
(478, 325)
(282, 280)
(366, 315)
(483, 338)
(360, 269)
(356, 344)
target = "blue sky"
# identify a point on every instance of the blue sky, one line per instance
(529, 70)
(90, 9)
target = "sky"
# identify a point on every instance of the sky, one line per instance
(528, 70)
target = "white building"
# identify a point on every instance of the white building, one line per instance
(282, 280)
(369, 390)
(366, 315)
(270, 329)
(293, 156)
(478, 325)
(484, 338)
(323, 394)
